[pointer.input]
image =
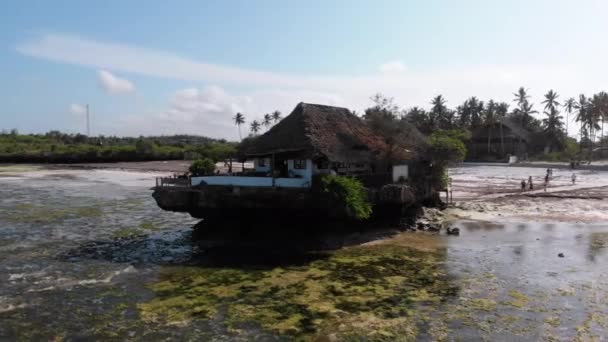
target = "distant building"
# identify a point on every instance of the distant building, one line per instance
(499, 140)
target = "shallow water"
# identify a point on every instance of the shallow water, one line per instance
(88, 255)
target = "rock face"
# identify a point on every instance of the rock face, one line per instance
(397, 194)
(264, 203)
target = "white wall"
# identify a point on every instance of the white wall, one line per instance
(252, 181)
(304, 173)
(400, 171)
(292, 183)
(233, 180)
(258, 168)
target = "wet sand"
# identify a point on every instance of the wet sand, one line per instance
(87, 255)
(494, 193)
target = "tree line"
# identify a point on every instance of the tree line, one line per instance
(473, 115)
(58, 147)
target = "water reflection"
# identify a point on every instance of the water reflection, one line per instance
(598, 245)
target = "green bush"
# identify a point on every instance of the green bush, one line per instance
(349, 193)
(446, 148)
(204, 166)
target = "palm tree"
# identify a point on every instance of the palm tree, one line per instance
(596, 114)
(550, 101)
(471, 113)
(600, 110)
(553, 126)
(521, 96)
(525, 108)
(525, 112)
(276, 116)
(440, 115)
(490, 120)
(582, 114)
(569, 107)
(239, 119)
(267, 120)
(255, 127)
(502, 109)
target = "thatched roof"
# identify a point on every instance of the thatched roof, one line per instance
(318, 131)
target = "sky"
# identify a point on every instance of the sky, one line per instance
(187, 66)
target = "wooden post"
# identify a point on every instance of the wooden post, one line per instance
(272, 169)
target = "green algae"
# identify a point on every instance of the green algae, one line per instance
(33, 213)
(142, 229)
(518, 299)
(17, 169)
(370, 292)
(149, 226)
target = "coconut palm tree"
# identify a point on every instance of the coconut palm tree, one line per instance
(553, 127)
(267, 121)
(582, 116)
(521, 96)
(569, 107)
(502, 109)
(471, 113)
(440, 116)
(597, 112)
(276, 116)
(525, 108)
(550, 101)
(239, 119)
(552, 124)
(255, 127)
(600, 110)
(490, 120)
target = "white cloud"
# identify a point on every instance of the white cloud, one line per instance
(77, 109)
(113, 84)
(392, 67)
(414, 87)
(209, 110)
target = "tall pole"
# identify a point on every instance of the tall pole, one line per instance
(88, 126)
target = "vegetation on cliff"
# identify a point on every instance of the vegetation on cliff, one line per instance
(348, 193)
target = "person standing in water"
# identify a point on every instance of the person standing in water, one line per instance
(573, 178)
(530, 184)
(546, 181)
(523, 185)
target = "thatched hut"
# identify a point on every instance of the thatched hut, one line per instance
(318, 139)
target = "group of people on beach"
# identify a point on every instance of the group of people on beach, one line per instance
(548, 177)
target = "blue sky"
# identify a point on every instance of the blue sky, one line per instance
(159, 67)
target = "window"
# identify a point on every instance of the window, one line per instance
(299, 164)
(262, 162)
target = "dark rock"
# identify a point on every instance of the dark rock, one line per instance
(433, 227)
(453, 231)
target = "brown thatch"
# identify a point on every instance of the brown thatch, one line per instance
(317, 131)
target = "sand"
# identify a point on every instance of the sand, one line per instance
(493, 193)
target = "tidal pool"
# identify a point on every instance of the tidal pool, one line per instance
(88, 255)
